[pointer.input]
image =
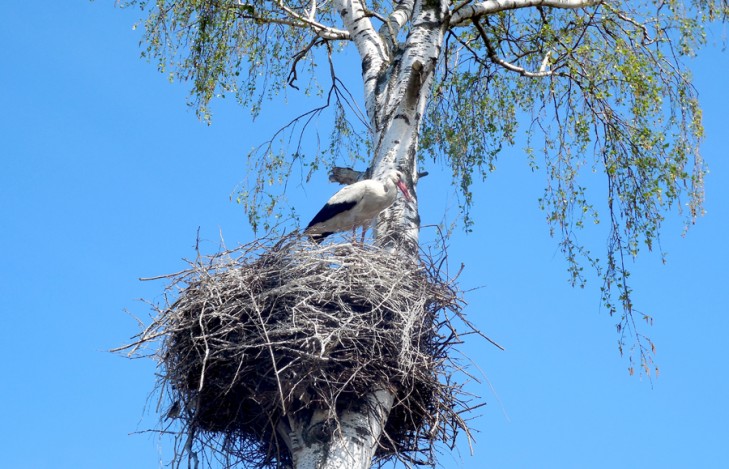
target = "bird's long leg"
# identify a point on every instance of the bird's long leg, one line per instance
(364, 230)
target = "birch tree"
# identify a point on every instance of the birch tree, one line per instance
(596, 87)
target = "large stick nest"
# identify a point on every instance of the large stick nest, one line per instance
(274, 329)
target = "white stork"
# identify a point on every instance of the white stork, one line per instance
(356, 205)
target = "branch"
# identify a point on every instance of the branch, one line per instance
(372, 50)
(543, 72)
(462, 14)
(647, 39)
(397, 19)
(312, 12)
(297, 20)
(293, 76)
(359, 26)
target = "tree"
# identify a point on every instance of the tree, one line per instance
(600, 85)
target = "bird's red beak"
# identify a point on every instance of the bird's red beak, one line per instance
(403, 188)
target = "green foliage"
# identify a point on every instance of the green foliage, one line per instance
(228, 47)
(607, 94)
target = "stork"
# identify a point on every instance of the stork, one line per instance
(356, 205)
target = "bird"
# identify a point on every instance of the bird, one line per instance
(356, 205)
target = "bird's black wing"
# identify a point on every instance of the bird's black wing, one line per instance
(329, 211)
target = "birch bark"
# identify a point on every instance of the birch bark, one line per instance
(350, 444)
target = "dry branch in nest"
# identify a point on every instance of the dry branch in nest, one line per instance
(275, 329)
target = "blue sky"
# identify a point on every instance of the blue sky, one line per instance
(106, 175)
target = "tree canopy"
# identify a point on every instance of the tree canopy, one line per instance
(599, 89)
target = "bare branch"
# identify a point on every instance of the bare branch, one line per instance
(312, 11)
(360, 28)
(508, 65)
(293, 76)
(397, 19)
(462, 14)
(545, 62)
(297, 20)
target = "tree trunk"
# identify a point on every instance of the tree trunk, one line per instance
(402, 91)
(347, 441)
(397, 80)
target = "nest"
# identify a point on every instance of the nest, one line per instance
(282, 328)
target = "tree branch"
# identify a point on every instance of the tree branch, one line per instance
(360, 28)
(462, 14)
(647, 39)
(297, 20)
(397, 19)
(371, 48)
(293, 76)
(543, 72)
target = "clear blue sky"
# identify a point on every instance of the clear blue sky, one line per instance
(105, 176)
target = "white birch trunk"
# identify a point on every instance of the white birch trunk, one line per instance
(349, 444)
(401, 98)
(397, 80)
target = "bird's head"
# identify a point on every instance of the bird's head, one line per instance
(398, 178)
